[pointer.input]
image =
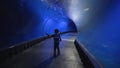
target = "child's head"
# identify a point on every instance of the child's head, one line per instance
(56, 31)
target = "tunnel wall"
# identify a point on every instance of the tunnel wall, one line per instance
(25, 20)
(18, 23)
(98, 27)
(102, 37)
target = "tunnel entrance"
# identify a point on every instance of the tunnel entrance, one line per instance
(64, 24)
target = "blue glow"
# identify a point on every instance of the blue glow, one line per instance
(103, 40)
(52, 17)
(31, 19)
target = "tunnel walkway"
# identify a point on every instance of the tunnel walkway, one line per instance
(41, 55)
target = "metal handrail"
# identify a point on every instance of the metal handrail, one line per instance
(18, 48)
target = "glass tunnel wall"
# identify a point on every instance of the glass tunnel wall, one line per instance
(25, 20)
(98, 24)
(102, 39)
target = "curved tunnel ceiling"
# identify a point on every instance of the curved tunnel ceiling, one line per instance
(83, 12)
(52, 14)
(24, 20)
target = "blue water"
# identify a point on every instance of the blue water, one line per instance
(103, 40)
(25, 20)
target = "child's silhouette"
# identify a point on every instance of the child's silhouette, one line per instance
(57, 39)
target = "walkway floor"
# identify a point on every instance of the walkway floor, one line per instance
(41, 56)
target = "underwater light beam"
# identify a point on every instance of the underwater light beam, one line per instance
(74, 11)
